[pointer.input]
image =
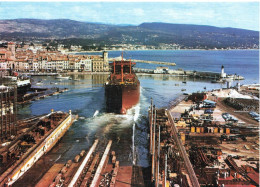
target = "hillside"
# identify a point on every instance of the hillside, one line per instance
(84, 33)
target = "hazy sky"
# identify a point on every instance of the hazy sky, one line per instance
(235, 14)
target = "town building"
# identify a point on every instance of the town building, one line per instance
(100, 63)
(35, 58)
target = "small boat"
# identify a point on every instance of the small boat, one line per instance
(55, 93)
(96, 113)
(217, 81)
(177, 84)
(61, 77)
(183, 89)
(184, 82)
(39, 83)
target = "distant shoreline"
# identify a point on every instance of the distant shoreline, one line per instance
(73, 52)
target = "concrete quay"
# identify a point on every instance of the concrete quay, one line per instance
(192, 143)
(24, 151)
(214, 76)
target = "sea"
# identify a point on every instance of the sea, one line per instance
(129, 132)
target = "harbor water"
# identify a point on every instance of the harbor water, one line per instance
(85, 97)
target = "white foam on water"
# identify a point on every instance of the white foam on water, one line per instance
(105, 121)
(133, 113)
(133, 145)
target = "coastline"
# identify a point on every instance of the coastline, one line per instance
(73, 52)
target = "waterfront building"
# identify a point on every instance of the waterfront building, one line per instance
(97, 64)
(35, 66)
(83, 65)
(106, 62)
(161, 70)
(100, 63)
(36, 58)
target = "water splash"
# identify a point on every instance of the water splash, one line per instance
(133, 146)
(133, 113)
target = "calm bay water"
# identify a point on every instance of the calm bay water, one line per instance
(85, 97)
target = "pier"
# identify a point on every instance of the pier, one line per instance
(167, 152)
(148, 62)
(216, 77)
(40, 74)
(29, 146)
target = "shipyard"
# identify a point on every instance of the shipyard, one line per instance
(207, 138)
(207, 145)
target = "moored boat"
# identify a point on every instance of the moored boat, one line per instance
(61, 77)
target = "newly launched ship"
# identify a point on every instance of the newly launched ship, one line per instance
(122, 91)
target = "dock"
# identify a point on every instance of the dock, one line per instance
(167, 152)
(40, 74)
(155, 62)
(23, 152)
(191, 147)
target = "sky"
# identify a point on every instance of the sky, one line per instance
(243, 15)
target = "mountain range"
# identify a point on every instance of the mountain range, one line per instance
(86, 33)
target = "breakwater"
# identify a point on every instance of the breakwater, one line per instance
(148, 62)
(182, 73)
(189, 73)
(155, 62)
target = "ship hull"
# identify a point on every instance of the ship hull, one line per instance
(21, 90)
(120, 98)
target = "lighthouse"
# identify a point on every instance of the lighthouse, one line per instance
(223, 74)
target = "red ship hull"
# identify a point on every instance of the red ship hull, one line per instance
(120, 98)
(122, 91)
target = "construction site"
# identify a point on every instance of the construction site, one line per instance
(8, 110)
(199, 141)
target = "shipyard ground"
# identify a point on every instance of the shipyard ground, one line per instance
(48, 169)
(220, 152)
(239, 169)
(233, 147)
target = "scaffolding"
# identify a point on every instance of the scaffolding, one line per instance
(8, 111)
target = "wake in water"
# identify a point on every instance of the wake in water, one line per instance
(133, 146)
(123, 130)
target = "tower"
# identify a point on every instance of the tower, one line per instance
(11, 48)
(223, 74)
(105, 58)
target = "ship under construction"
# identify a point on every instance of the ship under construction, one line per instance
(122, 90)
